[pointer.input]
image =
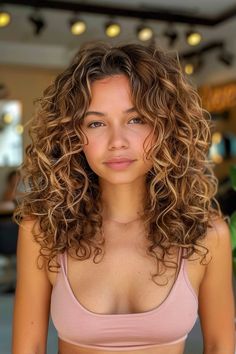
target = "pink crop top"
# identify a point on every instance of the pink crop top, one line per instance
(167, 324)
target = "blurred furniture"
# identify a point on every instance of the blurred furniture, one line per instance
(8, 243)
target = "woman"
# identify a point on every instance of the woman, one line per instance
(120, 235)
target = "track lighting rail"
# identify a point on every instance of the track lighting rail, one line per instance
(128, 11)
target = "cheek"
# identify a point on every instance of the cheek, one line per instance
(90, 158)
(92, 150)
(88, 153)
(91, 146)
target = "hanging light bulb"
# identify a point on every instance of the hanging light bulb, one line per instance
(112, 29)
(5, 18)
(193, 38)
(144, 33)
(77, 26)
(193, 65)
(189, 68)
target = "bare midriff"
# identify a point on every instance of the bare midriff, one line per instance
(68, 348)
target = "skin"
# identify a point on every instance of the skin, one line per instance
(212, 282)
(113, 129)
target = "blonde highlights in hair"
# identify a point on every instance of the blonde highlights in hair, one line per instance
(62, 192)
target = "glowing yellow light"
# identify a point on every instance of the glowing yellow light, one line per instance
(5, 18)
(145, 33)
(194, 38)
(112, 29)
(189, 69)
(78, 27)
(217, 158)
(216, 138)
(19, 128)
(7, 118)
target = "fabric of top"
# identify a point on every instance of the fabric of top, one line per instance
(167, 324)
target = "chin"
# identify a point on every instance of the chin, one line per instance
(119, 179)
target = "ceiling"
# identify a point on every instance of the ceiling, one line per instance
(55, 46)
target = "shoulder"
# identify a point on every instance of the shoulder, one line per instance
(218, 240)
(28, 226)
(30, 242)
(218, 233)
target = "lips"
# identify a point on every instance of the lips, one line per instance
(119, 160)
(119, 164)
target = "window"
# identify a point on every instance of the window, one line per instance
(11, 129)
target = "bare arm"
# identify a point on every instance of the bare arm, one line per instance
(32, 299)
(216, 301)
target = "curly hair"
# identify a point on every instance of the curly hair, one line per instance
(61, 190)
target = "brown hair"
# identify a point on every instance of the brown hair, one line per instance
(62, 192)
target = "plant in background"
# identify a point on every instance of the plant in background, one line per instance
(233, 218)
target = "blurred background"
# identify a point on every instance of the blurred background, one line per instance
(38, 40)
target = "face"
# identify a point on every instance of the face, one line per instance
(114, 129)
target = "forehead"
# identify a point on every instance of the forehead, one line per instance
(111, 94)
(118, 83)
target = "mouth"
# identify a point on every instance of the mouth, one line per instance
(119, 165)
(119, 160)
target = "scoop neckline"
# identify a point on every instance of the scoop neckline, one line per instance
(125, 315)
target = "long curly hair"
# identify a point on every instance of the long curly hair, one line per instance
(62, 192)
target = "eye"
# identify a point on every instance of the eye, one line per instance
(94, 124)
(139, 119)
(98, 124)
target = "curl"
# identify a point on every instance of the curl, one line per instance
(62, 192)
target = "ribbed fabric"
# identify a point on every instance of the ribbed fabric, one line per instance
(167, 324)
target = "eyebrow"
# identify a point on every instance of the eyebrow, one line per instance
(101, 114)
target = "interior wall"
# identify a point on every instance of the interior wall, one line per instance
(24, 83)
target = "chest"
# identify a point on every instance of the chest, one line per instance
(121, 284)
(122, 281)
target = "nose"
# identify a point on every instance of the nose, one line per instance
(117, 139)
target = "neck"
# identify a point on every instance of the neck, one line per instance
(125, 223)
(123, 203)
